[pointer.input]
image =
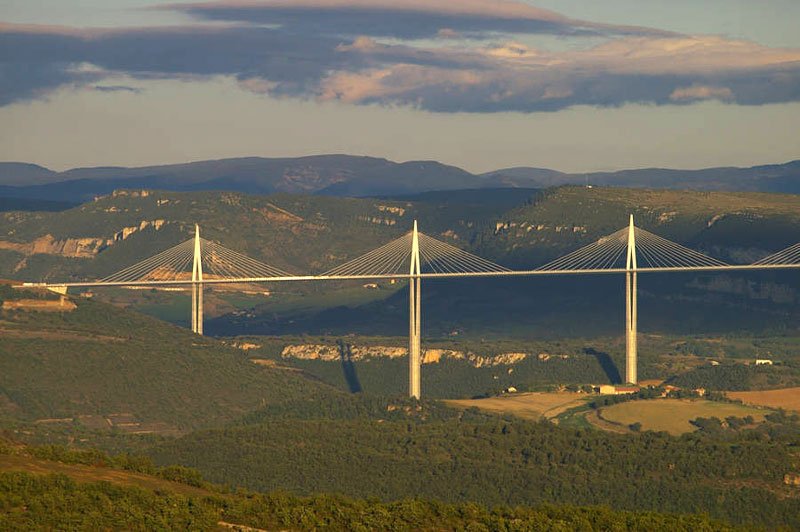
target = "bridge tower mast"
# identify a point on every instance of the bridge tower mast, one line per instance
(631, 308)
(197, 285)
(414, 307)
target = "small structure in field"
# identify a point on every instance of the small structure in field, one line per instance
(763, 362)
(611, 389)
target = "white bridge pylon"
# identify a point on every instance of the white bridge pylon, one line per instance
(416, 253)
(416, 256)
(627, 249)
(205, 256)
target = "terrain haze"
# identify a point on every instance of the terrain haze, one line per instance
(358, 176)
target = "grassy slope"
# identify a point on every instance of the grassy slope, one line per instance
(674, 415)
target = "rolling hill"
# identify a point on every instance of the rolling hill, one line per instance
(369, 450)
(312, 233)
(105, 368)
(338, 175)
(347, 175)
(77, 374)
(47, 488)
(784, 178)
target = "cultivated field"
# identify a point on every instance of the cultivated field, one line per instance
(787, 398)
(532, 405)
(673, 415)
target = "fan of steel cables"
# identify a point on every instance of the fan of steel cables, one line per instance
(176, 264)
(790, 255)
(394, 259)
(610, 252)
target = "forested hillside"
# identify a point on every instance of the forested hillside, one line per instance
(38, 492)
(104, 368)
(388, 450)
(307, 234)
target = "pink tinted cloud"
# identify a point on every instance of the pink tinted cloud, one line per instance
(515, 77)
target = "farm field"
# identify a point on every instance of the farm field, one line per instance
(532, 405)
(674, 415)
(787, 398)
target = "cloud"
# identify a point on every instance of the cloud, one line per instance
(407, 19)
(117, 88)
(700, 92)
(34, 62)
(513, 77)
(303, 49)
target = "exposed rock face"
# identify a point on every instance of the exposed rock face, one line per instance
(377, 220)
(392, 209)
(276, 214)
(144, 224)
(246, 346)
(40, 305)
(70, 247)
(504, 359)
(86, 247)
(332, 353)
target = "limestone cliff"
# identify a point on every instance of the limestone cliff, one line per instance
(332, 353)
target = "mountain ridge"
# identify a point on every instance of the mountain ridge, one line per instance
(359, 176)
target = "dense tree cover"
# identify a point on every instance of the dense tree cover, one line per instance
(566, 361)
(29, 502)
(736, 377)
(473, 457)
(99, 360)
(58, 502)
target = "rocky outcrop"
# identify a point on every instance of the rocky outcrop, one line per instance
(503, 359)
(399, 211)
(332, 353)
(377, 220)
(69, 247)
(274, 213)
(81, 248)
(40, 305)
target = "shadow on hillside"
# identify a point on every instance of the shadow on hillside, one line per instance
(348, 368)
(605, 361)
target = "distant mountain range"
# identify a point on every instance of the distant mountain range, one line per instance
(346, 175)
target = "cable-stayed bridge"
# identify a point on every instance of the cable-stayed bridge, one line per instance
(416, 256)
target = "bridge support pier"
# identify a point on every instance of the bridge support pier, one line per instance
(414, 329)
(631, 310)
(197, 285)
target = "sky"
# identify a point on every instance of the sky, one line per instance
(574, 85)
